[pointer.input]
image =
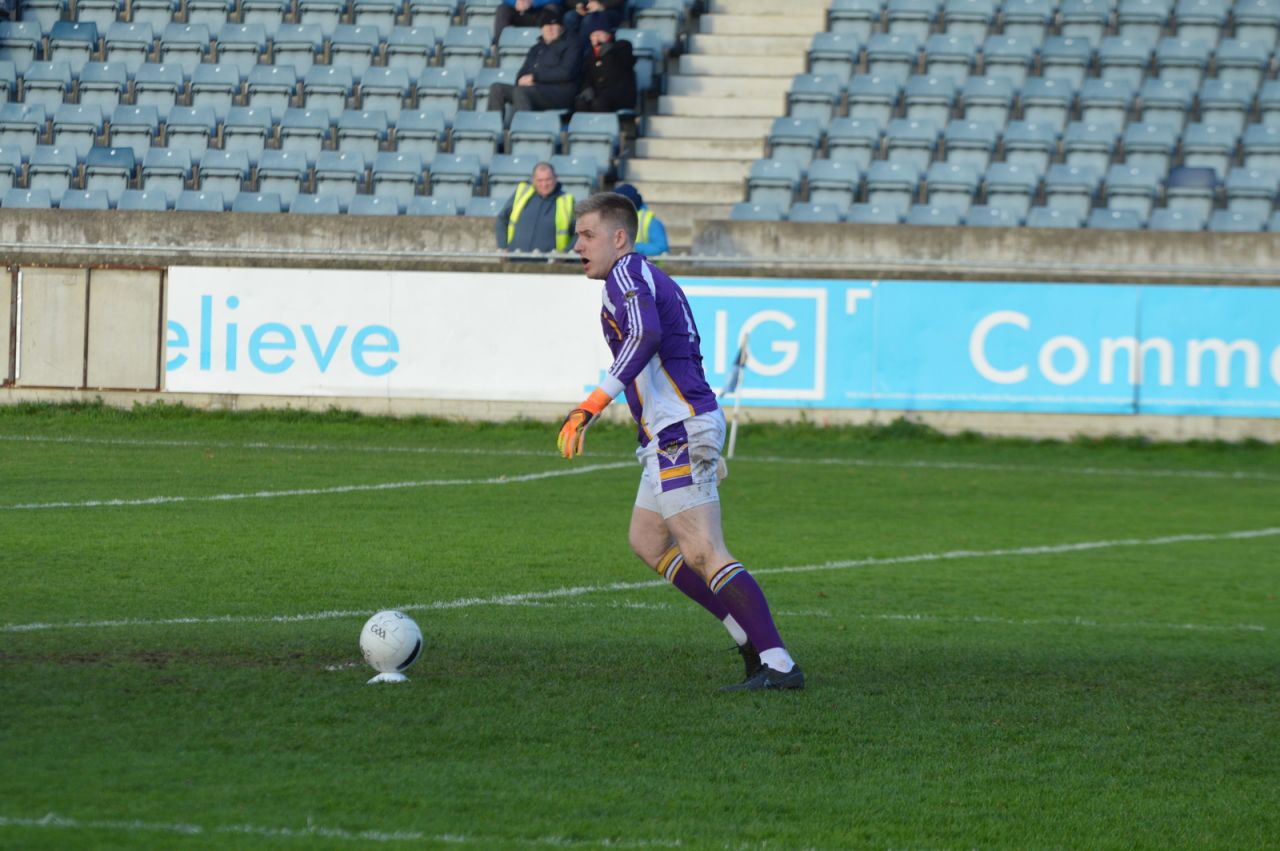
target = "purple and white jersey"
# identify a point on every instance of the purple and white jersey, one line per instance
(656, 356)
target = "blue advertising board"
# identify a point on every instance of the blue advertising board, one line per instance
(1052, 348)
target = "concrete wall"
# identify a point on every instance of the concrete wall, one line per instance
(51, 328)
(1024, 254)
(720, 247)
(6, 326)
(100, 238)
(124, 329)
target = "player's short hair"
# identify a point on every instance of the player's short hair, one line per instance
(615, 210)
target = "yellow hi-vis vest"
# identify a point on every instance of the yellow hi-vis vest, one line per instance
(644, 216)
(564, 213)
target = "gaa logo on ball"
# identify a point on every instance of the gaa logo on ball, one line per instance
(390, 642)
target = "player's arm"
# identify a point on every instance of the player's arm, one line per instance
(636, 315)
(573, 431)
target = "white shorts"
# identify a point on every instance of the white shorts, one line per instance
(684, 471)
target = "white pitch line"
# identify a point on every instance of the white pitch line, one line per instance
(920, 617)
(311, 831)
(578, 591)
(1131, 472)
(336, 489)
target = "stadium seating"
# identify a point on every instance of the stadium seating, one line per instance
(340, 174)
(1066, 57)
(929, 215)
(283, 173)
(97, 200)
(1013, 89)
(834, 54)
(397, 174)
(892, 56)
(854, 17)
(535, 134)
(834, 183)
(804, 211)
(970, 142)
(891, 185)
(166, 171)
(1132, 187)
(579, 175)
(361, 131)
(748, 211)
(874, 98)
(951, 186)
(988, 99)
(223, 173)
(256, 202)
(854, 140)
(1028, 20)
(1011, 187)
(773, 181)
(455, 176)
(374, 205)
(874, 214)
(323, 205)
(420, 132)
(77, 127)
(506, 172)
(47, 84)
(109, 169)
(192, 201)
(795, 139)
(51, 168)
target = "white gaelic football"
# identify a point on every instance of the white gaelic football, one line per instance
(390, 642)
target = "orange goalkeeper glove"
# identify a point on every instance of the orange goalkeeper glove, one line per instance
(573, 432)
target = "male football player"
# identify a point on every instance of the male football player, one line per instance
(658, 365)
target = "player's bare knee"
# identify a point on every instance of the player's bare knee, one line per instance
(646, 548)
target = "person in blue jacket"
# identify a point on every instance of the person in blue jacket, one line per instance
(520, 13)
(651, 236)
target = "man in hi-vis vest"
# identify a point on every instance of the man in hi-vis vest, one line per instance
(651, 238)
(538, 217)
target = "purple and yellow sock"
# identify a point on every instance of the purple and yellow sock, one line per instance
(670, 566)
(739, 593)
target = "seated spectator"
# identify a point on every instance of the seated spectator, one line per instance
(608, 75)
(538, 216)
(585, 18)
(520, 13)
(548, 79)
(651, 235)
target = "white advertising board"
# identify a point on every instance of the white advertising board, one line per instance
(321, 332)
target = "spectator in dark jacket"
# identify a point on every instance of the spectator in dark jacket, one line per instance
(608, 75)
(548, 79)
(520, 13)
(590, 15)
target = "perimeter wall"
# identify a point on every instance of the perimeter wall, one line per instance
(95, 305)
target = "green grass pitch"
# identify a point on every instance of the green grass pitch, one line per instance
(1010, 644)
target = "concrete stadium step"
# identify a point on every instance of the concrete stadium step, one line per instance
(679, 219)
(801, 22)
(684, 215)
(685, 170)
(709, 44)
(742, 65)
(767, 7)
(699, 127)
(677, 148)
(692, 106)
(677, 192)
(728, 87)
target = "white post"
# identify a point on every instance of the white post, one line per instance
(740, 372)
